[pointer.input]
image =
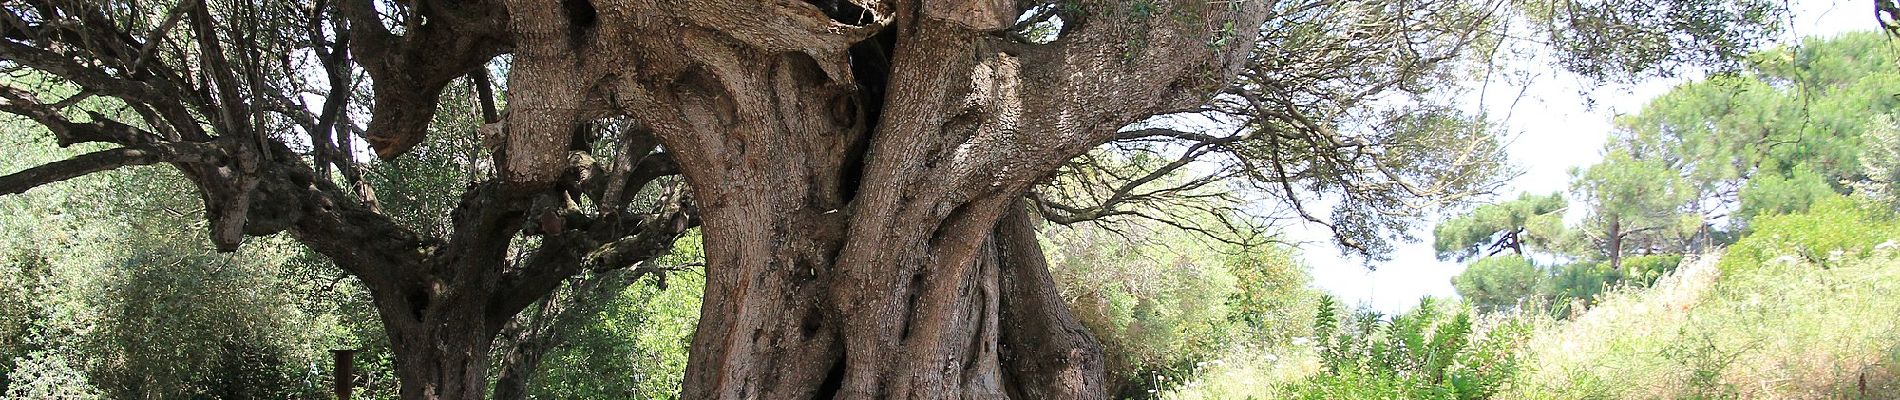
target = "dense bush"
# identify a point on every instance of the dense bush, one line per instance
(200, 326)
(1646, 269)
(1504, 283)
(1500, 282)
(102, 296)
(1272, 299)
(1158, 309)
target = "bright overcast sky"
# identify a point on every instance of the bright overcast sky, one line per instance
(1553, 128)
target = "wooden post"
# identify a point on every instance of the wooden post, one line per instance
(344, 372)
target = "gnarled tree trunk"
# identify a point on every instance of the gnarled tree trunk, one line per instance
(443, 352)
(1051, 354)
(851, 160)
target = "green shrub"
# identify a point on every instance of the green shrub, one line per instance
(1163, 302)
(1157, 311)
(48, 375)
(1496, 284)
(1578, 283)
(1833, 230)
(1432, 352)
(1271, 301)
(199, 326)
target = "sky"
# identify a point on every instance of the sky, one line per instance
(1554, 125)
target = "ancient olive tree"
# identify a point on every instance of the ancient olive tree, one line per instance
(849, 162)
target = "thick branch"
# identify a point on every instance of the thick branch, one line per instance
(408, 72)
(565, 255)
(105, 160)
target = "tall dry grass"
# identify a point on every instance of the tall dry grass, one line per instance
(1788, 329)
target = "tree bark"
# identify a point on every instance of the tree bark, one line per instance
(444, 354)
(1052, 355)
(518, 367)
(851, 160)
(441, 300)
(1616, 236)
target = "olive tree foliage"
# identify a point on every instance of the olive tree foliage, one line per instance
(1338, 98)
(1622, 40)
(1355, 103)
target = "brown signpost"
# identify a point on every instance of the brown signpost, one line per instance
(344, 372)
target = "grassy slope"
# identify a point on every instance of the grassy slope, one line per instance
(1786, 329)
(1783, 330)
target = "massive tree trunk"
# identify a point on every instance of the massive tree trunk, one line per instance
(444, 353)
(851, 160)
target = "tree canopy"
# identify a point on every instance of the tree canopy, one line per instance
(1532, 220)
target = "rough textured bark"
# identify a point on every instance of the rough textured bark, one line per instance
(1050, 352)
(443, 354)
(848, 192)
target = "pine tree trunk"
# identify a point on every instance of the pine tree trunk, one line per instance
(1616, 235)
